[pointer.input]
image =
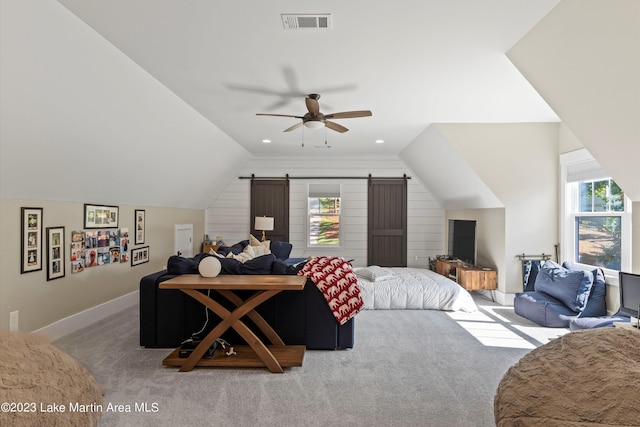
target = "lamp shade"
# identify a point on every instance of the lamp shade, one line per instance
(264, 223)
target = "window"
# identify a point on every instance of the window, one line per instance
(597, 216)
(323, 209)
(598, 224)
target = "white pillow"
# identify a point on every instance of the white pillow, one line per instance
(373, 273)
(209, 267)
(258, 244)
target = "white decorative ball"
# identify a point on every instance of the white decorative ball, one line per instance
(209, 267)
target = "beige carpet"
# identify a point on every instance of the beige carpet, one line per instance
(585, 378)
(40, 385)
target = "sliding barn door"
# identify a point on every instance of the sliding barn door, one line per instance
(387, 222)
(271, 198)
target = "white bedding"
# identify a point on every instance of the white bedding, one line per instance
(413, 288)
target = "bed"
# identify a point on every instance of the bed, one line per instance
(392, 288)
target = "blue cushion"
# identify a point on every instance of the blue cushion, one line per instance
(596, 322)
(257, 265)
(180, 265)
(597, 302)
(543, 309)
(530, 271)
(280, 249)
(571, 287)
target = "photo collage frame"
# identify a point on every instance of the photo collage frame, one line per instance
(92, 248)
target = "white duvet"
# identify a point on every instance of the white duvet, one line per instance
(412, 288)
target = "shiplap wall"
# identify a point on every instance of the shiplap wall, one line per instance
(228, 216)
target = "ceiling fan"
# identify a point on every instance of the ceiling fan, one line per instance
(314, 119)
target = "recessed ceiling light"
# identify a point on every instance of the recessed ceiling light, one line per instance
(266, 141)
(379, 141)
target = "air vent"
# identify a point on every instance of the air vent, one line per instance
(306, 22)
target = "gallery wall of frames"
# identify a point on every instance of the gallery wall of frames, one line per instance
(99, 242)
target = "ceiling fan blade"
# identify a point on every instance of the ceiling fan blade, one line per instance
(335, 126)
(349, 114)
(294, 127)
(278, 115)
(312, 106)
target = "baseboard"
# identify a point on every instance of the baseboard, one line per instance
(91, 315)
(505, 298)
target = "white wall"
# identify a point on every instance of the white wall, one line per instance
(584, 59)
(229, 214)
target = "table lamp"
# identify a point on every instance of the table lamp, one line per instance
(264, 223)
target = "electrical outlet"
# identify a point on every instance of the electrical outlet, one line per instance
(13, 321)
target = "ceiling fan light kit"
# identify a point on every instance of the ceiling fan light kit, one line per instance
(314, 119)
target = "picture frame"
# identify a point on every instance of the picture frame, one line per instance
(100, 216)
(55, 253)
(139, 221)
(31, 239)
(139, 255)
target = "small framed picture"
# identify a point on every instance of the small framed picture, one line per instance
(139, 221)
(31, 241)
(99, 216)
(139, 255)
(55, 253)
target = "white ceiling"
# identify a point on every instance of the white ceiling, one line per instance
(411, 62)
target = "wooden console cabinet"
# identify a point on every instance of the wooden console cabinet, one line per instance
(468, 276)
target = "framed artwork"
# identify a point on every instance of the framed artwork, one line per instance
(55, 252)
(139, 255)
(31, 240)
(100, 216)
(139, 221)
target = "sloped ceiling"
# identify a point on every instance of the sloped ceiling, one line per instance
(457, 187)
(82, 122)
(584, 59)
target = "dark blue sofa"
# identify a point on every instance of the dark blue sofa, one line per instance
(168, 316)
(557, 295)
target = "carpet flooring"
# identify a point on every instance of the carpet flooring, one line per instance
(408, 368)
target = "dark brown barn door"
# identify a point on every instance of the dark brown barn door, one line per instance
(271, 198)
(387, 222)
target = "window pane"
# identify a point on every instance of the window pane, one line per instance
(599, 241)
(601, 196)
(330, 205)
(324, 229)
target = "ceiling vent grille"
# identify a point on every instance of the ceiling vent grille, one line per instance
(305, 22)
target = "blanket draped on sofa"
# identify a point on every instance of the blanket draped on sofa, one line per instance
(335, 278)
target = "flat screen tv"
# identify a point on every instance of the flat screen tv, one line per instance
(462, 240)
(629, 294)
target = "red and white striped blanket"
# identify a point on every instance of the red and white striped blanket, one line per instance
(335, 278)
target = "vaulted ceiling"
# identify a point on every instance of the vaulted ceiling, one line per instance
(412, 63)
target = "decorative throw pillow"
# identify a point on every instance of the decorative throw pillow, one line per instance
(264, 245)
(281, 250)
(530, 271)
(373, 273)
(570, 287)
(596, 303)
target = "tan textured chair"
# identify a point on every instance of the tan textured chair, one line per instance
(584, 378)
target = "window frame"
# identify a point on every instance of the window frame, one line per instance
(309, 215)
(570, 210)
